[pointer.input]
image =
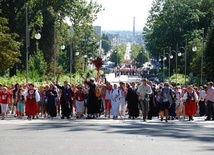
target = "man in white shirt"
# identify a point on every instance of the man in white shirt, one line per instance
(202, 94)
(210, 101)
(143, 92)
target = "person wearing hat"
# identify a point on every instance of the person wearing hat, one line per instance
(32, 98)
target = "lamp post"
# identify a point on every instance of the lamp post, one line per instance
(55, 50)
(85, 56)
(169, 57)
(194, 48)
(117, 56)
(142, 57)
(162, 64)
(185, 59)
(71, 58)
(177, 53)
(37, 36)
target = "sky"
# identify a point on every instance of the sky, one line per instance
(118, 14)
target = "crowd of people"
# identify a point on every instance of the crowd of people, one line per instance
(142, 99)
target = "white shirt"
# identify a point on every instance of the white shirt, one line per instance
(108, 94)
(210, 94)
(115, 95)
(202, 95)
(143, 90)
(37, 96)
(185, 97)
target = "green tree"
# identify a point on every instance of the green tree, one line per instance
(50, 15)
(37, 64)
(106, 44)
(209, 57)
(171, 22)
(139, 54)
(136, 49)
(9, 49)
(118, 53)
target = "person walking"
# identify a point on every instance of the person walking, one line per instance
(191, 98)
(210, 101)
(143, 92)
(167, 100)
(20, 100)
(177, 102)
(107, 98)
(65, 100)
(4, 96)
(79, 101)
(51, 96)
(92, 99)
(122, 103)
(32, 98)
(132, 100)
(202, 109)
(115, 100)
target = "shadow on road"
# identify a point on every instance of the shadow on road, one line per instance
(183, 131)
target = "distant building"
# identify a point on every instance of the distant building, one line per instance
(133, 27)
(97, 30)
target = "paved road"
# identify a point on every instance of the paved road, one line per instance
(103, 136)
(106, 136)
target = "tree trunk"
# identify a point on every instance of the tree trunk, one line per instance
(12, 25)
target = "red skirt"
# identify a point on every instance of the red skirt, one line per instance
(190, 107)
(107, 104)
(31, 107)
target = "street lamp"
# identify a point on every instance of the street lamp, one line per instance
(177, 53)
(194, 48)
(62, 47)
(37, 36)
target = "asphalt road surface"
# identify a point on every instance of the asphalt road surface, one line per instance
(106, 136)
